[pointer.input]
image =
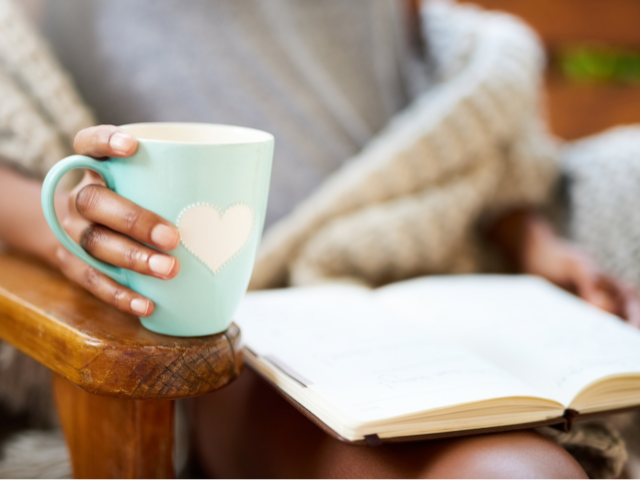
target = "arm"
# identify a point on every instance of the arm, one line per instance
(22, 223)
(528, 240)
(108, 226)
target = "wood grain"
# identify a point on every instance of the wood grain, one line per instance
(100, 349)
(113, 437)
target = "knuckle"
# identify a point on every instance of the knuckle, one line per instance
(132, 257)
(91, 279)
(62, 257)
(88, 198)
(91, 238)
(67, 223)
(120, 297)
(131, 219)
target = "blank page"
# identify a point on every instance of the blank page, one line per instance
(367, 362)
(549, 338)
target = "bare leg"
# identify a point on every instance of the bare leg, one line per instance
(248, 430)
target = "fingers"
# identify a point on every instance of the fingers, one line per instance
(590, 287)
(615, 296)
(90, 177)
(121, 251)
(632, 308)
(100, 205)
(604, 301)
(580, 275)
(104, 141)
(103, 287)
(627, 299)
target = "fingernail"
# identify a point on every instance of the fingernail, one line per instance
(121, 143)
(161, 264)
(140, 306)
(164, 237)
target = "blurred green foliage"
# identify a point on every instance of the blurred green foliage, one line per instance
(600, 63)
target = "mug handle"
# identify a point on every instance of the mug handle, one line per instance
(48, 194)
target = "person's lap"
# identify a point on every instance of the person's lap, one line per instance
(249, 430)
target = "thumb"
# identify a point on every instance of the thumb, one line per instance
(633, 313)
(602, 299)
(631, 304)
(589, 288)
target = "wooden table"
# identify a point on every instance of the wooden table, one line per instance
(115, 383)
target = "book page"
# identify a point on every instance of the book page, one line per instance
(369, 363)
(541, 334)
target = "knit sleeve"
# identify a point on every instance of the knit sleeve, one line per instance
(40, 110)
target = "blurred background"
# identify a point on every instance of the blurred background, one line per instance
(593, 47)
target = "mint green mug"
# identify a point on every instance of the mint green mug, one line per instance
(212, 182)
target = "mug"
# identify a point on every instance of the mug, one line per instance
(212, 182)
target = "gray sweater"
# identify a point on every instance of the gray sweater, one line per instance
(323, 76)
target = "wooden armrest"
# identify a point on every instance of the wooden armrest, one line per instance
(101, 349)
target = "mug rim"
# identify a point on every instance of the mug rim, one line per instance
(253, 135)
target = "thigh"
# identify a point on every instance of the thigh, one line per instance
(248, 430)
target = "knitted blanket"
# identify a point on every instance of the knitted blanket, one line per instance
(409, 204)
(473, 145)
(40, 111)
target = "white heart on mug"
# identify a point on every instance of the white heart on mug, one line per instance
(215, 237)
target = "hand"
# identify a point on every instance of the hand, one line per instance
(569, 267)
(113, 228)
(528, 240)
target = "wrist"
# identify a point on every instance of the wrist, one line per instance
(47, 249)
(22, 223)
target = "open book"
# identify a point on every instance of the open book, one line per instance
(440, 356)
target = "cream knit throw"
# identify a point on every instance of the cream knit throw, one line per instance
(409, 204)
(40, 111)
